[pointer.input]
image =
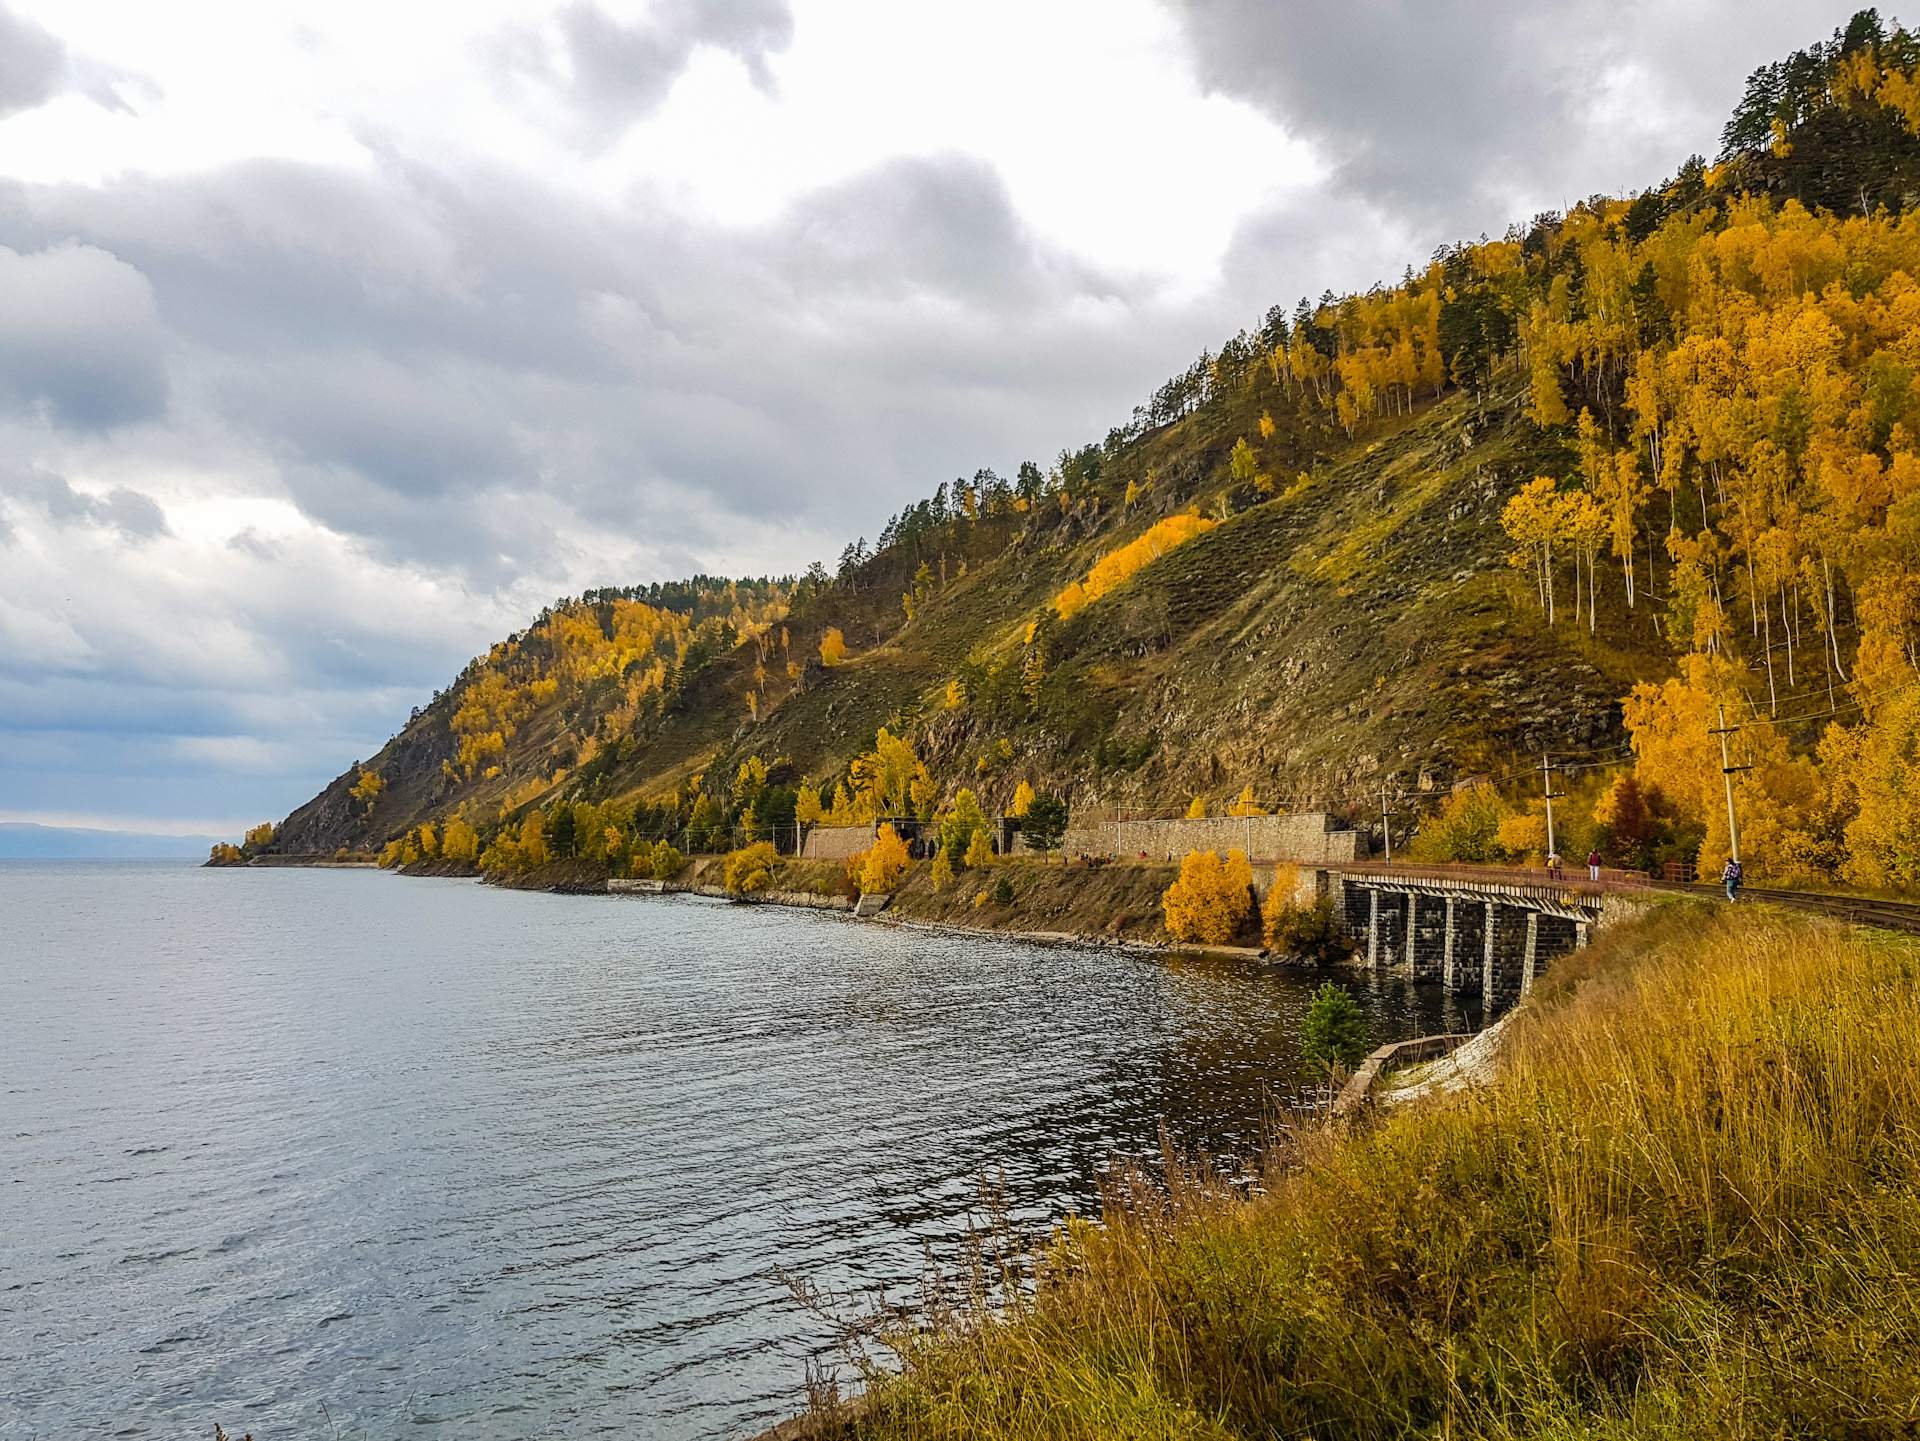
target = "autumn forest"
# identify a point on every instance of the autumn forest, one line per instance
(1601, 487)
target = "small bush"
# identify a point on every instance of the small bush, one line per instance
(1212, 900)
(1306, 933)
(1003, 892)
(1334, 1032)
(750, 869)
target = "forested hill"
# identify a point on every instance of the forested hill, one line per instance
(1560, 491)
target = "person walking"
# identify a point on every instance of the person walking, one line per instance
(1553, 865)
(1593, 864)
(1731, 876)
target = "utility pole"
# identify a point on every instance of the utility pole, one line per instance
(1386, 819)
(1727, 769)
(1552, 795)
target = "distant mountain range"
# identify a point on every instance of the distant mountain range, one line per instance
(20, 840)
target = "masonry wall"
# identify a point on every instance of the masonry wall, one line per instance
(1311, 838)
(837, 843)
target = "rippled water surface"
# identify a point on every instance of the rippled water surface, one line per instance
(307, 1151)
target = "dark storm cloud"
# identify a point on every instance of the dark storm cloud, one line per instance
(79, 335)
(129, 513)
(929, 224)
(1446, 112)
(448, 365)
(615, 73)
(135, 516)
(33, 64)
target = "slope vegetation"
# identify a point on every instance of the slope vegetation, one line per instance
(1604, 480)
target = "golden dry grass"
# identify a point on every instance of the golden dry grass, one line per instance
(1690, 1206)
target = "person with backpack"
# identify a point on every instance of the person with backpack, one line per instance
(1731, 876)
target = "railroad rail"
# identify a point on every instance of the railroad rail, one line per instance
(1856, 910)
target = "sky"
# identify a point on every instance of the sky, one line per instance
(335, 340)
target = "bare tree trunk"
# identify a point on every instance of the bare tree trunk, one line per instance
(1833, 634)
(1773, 698)
(1786, 633)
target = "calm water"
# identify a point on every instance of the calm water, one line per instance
(307, 1151)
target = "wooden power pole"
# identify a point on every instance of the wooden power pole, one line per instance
(1552, 795)
(1727, 770)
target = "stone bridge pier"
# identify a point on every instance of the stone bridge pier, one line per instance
(1475, 937)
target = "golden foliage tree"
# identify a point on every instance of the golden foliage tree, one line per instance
(1211, 900)
(1245, 805)
(750, 870)
(979, 851)
(458, 842)
(883, 864)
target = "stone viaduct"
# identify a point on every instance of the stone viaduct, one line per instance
(1487, 935)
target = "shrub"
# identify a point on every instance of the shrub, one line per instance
(1003, 892)
(942, 872)
(1334, 1032)
(667, 861)
(1115, 567)
(1212, 900)
(979, 898)
(1306, 933)
(882, 865)
(750, 869)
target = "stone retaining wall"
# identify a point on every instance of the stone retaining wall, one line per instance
(1311, 838)
(837, 843)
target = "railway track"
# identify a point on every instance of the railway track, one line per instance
(1857, 910)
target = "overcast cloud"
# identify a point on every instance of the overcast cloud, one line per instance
(330, 353)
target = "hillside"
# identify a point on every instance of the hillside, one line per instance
(1683, 1208)
(1381, 543)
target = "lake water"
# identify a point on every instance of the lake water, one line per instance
(335, 1152)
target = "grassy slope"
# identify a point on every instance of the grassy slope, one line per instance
(1365, 622)
(1689, 1207)
(1363, 625)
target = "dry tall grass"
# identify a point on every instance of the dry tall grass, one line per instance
(1689, 1207)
